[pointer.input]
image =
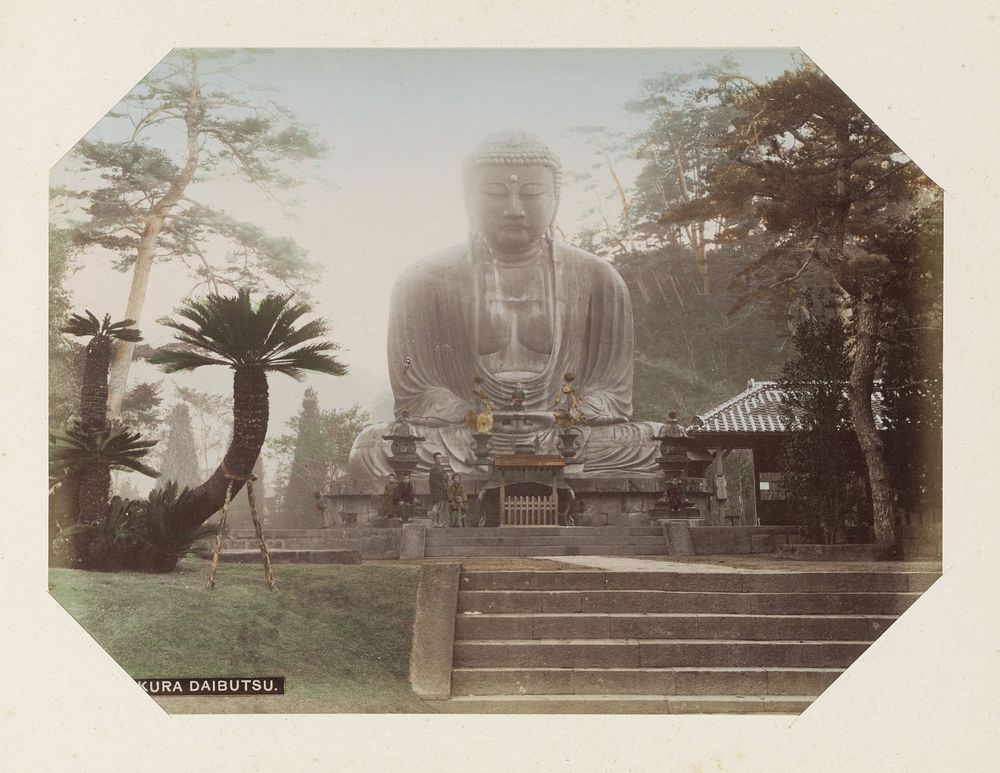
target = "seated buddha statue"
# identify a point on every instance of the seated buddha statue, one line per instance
(511, 311)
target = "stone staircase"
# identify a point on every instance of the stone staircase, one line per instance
(545, 541)
(735, 641)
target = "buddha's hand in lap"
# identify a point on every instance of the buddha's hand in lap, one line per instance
(540, 422)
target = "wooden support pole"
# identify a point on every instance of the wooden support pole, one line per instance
(258, 529)
(210, 582)
(268, 572)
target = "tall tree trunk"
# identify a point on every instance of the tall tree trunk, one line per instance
(93, 493)
(147, 243)
(868, 307)
(250, 416)
(94, 388)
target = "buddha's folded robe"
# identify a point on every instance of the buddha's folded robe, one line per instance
(435, 321)
(441, 313)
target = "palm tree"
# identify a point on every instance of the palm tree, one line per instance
(94, 390)
(92, 483)
(89, 457)
(252, 339)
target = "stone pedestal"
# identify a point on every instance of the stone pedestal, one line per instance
(414, 536)
(678, 536)
(662, 512)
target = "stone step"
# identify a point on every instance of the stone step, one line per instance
(654, 653)
(535, 532)
(277, 533)
(762, 581)
(284, 556)
(472, 551)
(445, 538)
(642, 681)
(552, 531)
(625, 704)
(744, 603)
(298, 543)
(672, 626)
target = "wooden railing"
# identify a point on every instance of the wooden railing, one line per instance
(529, 511)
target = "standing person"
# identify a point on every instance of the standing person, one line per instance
(404, 498)
(386, 506)
(439, 488)
(456, 500)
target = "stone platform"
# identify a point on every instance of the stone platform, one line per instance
(545, 541)
(599, 501)
(418, 540)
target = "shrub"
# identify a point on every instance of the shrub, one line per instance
(136, 535)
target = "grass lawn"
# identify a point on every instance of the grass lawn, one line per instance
(340, 635)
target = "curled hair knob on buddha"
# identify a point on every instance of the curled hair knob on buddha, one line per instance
(514, 146)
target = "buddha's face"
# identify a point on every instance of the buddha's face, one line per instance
(512, 205)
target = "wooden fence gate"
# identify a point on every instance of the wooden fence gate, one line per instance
(529, 511)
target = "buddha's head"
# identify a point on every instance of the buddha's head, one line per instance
(512, 191)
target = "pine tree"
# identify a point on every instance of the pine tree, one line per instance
(180, 458)
(308, 472)
(818, 196)
(147, 207)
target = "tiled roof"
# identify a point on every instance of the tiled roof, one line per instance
(758, 409)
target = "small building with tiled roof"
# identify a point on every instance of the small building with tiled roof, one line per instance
(758, 409)
(757, 420)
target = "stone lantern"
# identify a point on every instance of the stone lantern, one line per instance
(682, 464)
(404, 437)
(674, 444)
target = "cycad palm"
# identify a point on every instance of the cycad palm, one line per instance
(252, 339)
(94, 389)
(93, 483)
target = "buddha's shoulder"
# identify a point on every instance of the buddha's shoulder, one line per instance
(581, 260)
(435, 265)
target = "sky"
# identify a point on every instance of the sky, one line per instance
(398, 124)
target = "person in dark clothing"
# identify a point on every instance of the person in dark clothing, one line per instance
(388, 501)
(439, 489)
(404, 499)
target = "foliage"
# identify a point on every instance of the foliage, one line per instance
(141, 407)
(253, 339)
(103, 544)
(914, 368)
(233, 331)
(141, 204)
(75, 450)
(137, 534)
(309, 469)
(179, 462)
(313, 454)
(824, 478)
(808, 186)
(64, 356)
(813, 196)
(214, 414)
(145, 177)
(693, 351)
(690, 351)
(91, 326)
(161, 541)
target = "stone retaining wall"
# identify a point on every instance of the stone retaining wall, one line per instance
(371, 543)
(683, 539)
